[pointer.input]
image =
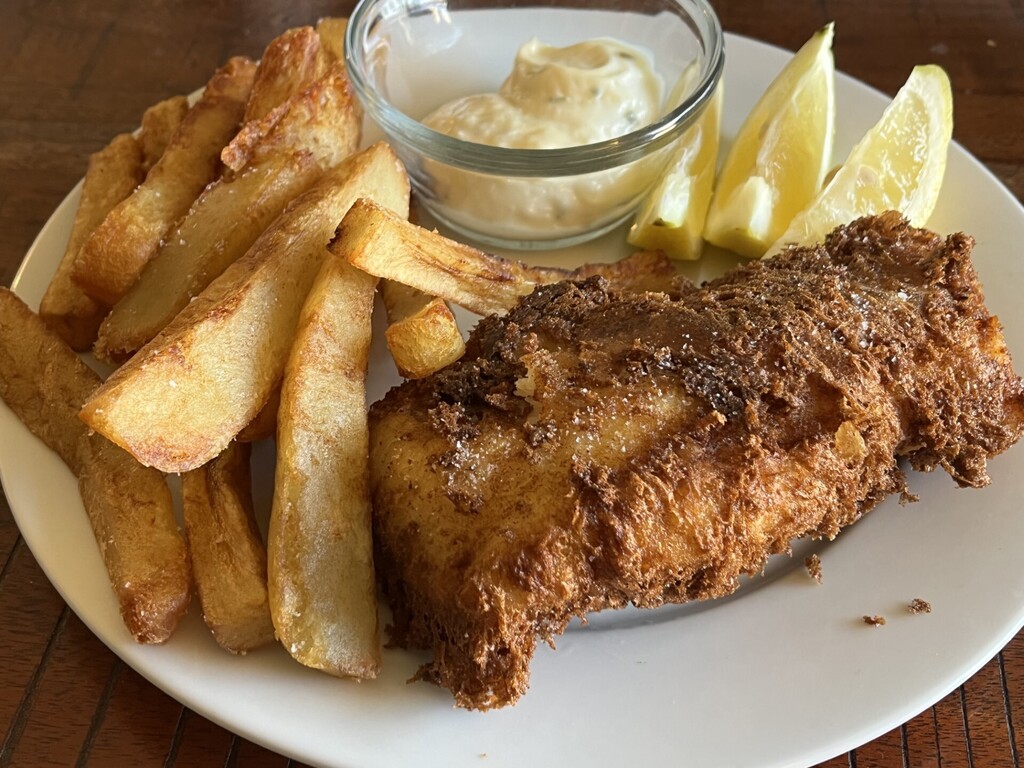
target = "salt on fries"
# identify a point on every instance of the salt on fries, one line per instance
(229, 560)
(129, 506)
(118, 249)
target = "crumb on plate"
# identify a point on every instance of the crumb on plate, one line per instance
(917, 605)
(813, 565)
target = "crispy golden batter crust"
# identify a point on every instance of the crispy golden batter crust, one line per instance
(593, 450)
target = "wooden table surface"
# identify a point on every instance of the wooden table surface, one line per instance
(74, 73)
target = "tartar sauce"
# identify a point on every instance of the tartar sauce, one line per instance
(554, 98)
(559, 97)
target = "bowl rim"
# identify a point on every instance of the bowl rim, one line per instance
(567, 161)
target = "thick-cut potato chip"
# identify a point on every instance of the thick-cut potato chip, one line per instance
(316, 129)
(422, 333)
(388, 246)
(290, 63)
(252, 146)
(182, 398)
(129, 506)
(159, 123)
(320, 549)
(113, 173)
(114, 255)
(43, 381)
(229, 560)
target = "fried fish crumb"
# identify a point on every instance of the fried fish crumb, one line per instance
(917, 605)
(813, 565)
(875, 621)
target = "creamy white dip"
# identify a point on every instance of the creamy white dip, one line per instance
(554, 98)
(559, 97)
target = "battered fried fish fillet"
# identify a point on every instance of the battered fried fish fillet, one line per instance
(593, 450)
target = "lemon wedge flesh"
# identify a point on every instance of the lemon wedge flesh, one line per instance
(780, 156)
(671, 219)
(898, 165)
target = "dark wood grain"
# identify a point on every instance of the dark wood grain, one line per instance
(1012, 667)
(75, 72)
(922, 743)
(69, 685)
(950, 724)
(30, 611)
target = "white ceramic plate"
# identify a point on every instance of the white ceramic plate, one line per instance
(785, 673)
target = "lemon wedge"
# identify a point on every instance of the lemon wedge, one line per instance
(780, 156)
(898, 165)
(671, 219)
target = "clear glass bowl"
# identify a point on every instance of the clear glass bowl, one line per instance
(408, 57)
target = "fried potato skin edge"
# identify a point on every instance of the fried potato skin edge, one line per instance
(129, 506)
(322, 585)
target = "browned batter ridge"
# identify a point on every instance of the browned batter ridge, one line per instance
(593, 450)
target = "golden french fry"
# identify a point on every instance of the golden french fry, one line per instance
(114, 255)
(422, 333)
(112, 175)
(331, 31)
(43, 381)
(229, 560)
(179, 401)
(315, 131)
(250, 145)
(392, 248)
(132, 517)
(388, 246)
(159, 123)
(320, 550)
(129, 506)
(290, 63)
(264, 423)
